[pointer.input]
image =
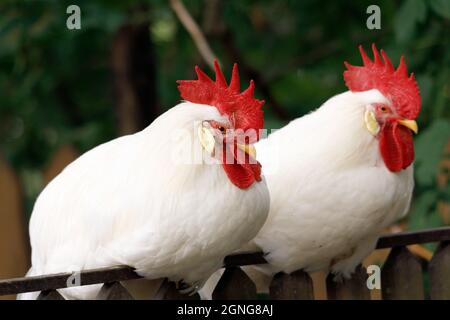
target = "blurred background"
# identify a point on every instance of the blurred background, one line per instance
(63, 91)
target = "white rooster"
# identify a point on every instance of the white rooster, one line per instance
(132, 201)
(342, 173)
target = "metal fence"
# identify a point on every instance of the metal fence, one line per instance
(402, 277)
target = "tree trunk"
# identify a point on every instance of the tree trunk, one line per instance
(134, 71)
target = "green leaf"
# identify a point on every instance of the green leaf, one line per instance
(441, 7)
(425, 82)
(423, 213)
(409, 14)
(163, 29)
(429, 150)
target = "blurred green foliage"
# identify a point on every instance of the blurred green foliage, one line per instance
(56, 86)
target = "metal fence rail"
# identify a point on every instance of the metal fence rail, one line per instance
(401, 276)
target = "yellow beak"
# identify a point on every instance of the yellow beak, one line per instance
(410, 124)
(248, 149)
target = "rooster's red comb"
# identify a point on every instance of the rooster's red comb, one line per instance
(242, 108)
(379, 74)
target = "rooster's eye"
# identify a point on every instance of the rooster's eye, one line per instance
(222, 129)
(384, 109)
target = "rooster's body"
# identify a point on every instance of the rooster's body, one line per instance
(332, 194)
(136, 201)
(338, 176)
(349, 176)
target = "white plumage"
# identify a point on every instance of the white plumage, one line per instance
(331, 193)
(128, 202)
